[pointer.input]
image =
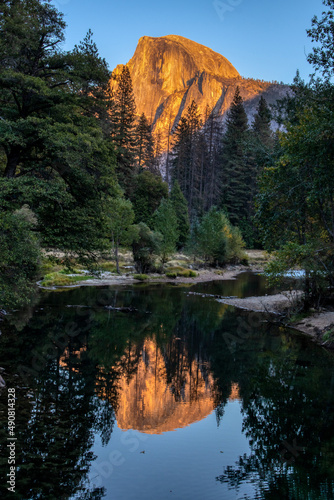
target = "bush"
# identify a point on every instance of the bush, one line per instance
(171, 275)
(19, 257)
(216, 240)
(141, 277)
(173, 272)
(145, 247)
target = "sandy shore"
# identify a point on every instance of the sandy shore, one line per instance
(230, 273)
(274, 304)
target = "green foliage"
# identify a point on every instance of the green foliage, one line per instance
(235, 245)
(237, 177)
(107, 266)
(120, 217)
(123, 128)
(57, 157)
(19, 257)
(174, 271)
(62, 278)
(165, 222)
(141, 277)
(216, 240)
(71, 225)
(144, 144)
(181, 211)
(149, 190)
(210, 240)
(145, 246)
(322, 32)
(295, 206)
(261, 124)
(171, 274)
(189, 153)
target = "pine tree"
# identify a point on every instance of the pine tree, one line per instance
(149, 190)
(187, 150)
(261, 124)
(181, 211)
(123, 128)
(144, 144)
(236, 196)
(259, 147)
(154, 166)
(212, 174)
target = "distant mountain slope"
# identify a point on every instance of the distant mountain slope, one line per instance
(170, 71)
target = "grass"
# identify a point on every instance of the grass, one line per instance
(61, 279)
(298, 316)
(141, 277)
(329, 335)
(175, 271)
(107, 266)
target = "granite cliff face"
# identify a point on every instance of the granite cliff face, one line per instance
(170, 71)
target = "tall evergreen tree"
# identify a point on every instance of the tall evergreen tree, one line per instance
(181, 211)
(212, 175)
(261, 125)
(144, 144)
(55, 155)
(123, 128)
(259, 149)
(149, 190)
(236, 196)
(187, 160)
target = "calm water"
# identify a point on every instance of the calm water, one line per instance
(166, 394)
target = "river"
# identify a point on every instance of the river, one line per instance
(161, 392)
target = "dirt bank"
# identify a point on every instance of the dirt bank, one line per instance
(318, 325)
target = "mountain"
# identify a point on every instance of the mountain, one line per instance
(169, 72)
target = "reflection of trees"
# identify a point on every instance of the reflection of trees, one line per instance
(78, 391)
(56, 411)
(286, 407)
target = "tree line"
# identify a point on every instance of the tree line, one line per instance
(81, 172)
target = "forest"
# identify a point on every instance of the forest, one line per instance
(81, 172)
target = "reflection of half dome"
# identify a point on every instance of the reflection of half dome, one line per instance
(151, 404)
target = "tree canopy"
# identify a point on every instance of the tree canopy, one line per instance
(55, 154)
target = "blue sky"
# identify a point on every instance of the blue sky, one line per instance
(262, 39)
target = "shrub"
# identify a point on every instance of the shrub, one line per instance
(171, 275)
(173, 272)
(141, 277)
(19, 257)
(216, 240)
(145, 247)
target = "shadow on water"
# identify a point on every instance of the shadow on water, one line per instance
(160, 362)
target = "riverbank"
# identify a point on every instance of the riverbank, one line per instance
(202, 276)
(318, 325)
(176, 271)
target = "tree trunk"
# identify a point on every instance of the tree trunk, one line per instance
(12, 162)
(116, 257)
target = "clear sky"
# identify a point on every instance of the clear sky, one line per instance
(261, 38)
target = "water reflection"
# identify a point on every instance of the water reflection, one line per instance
(83, 374)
